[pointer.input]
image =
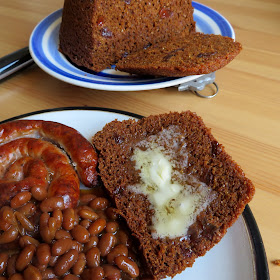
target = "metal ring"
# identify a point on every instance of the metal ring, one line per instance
(208, 96)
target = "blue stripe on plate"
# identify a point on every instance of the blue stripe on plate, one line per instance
(224, 26)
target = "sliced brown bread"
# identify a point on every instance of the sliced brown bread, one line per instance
(194, 55)
(96, 33)
(200, 166)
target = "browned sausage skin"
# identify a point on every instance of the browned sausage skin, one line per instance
(26, 162)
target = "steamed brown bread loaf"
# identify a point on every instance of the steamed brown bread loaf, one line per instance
(170, 170)
(194, 55)
(96, 34)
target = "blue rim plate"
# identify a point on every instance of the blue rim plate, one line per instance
(43, 47)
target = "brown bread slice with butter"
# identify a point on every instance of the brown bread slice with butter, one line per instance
(196, 54)
(174, 184)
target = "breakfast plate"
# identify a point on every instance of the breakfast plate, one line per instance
(44, 41)
(239, 255)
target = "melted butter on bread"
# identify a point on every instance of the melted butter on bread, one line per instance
(176, 203)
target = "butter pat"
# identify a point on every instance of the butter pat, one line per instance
(176, 203)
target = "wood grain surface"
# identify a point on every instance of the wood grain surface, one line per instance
(244, 116)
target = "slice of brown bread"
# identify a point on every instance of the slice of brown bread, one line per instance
(196, 54)
(200, 169)
(97, 33)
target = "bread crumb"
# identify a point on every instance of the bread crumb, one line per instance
(276, 262)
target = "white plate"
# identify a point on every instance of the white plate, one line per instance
(239, 256)
(43, 47)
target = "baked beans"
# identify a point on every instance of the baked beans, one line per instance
(20, 199)
(9, 236)
(80, 264)
(80, 234)
(43, 253)
(98, 226)
(127, 265)
(3, 262)
(39, 192)
(16, 276)
(106, 243)
(26, 240)
(27, 209)
(88, 214)
(88, 242)
(52, 203)
(93, 257)
(119, 250)
(68, 219)
(32, 272)
(25, 257)
(65, 262)
(61, 246)
(111, 272)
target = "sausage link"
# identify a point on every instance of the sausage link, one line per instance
(65, 182)
(81, 152)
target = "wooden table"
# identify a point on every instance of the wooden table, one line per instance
(244, 116)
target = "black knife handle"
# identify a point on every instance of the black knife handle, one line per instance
(15, 61)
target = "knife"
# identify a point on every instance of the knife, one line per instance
(14, 62)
